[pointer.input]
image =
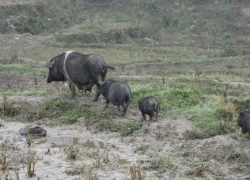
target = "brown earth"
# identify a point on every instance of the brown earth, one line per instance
(166, 149)
(172, 140)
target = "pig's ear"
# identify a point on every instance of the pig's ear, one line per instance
(242, 114)
(50, 64)
(102, 83)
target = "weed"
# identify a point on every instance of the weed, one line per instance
(89, 174)
(129, 128)
(205, 117)
(8, 109)
(144, 148)
(136, 172)
(72, 150)
(30, 160)
(3, 162)
(200, 168)
(28, 138)
(16, 174)
(73, 171)
(62, 111)
(161, 164)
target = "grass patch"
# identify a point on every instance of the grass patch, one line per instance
(19, 68)
(60, 111)
(170, 98)
(12, 68)
(162, 164)
(213, 117)
(24, 92)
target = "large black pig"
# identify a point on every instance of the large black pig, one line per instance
(150, 106)
(244, 121)
(118, 93)
(80, 70)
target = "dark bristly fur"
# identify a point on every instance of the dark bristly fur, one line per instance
(244, 121)
(118, 93)
(150, 106)
(81, 70)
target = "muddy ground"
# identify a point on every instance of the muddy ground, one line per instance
(168, 148)
(165, 149)
(170, 144)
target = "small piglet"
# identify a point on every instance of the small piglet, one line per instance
(150, 106)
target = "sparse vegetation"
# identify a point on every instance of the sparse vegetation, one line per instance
(162, 164)
(192, 56)
(136, 172)
(30, 161)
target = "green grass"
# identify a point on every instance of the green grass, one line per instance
(12, 68)
(62, 111)
(170, 98)
(20, 68)
(162, 164)
(216, 47)
(24, 92)
(213, 117)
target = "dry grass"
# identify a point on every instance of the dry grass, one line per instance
(30, 161)
(136, 173)
(89, 173)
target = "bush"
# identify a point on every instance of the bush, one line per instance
(30, 25)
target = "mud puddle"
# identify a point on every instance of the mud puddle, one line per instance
(51, 152)
(57, 142)
(166, 150)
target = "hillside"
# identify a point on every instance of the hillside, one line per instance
(192, 55)
(201, 23)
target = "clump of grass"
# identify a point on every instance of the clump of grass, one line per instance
(60, 111)
(162, 164)
(7, 108)
(129, 128)
(3, 162)
(136, 172)
(73, 171)
(104, 155)
(30, 160)
(89, 173)
(143, 148)
(28, 138)
(226, 112)
(200, 168)
(72, 150)
(16, 174)
(208, 119)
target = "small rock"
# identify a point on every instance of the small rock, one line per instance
(34, 131)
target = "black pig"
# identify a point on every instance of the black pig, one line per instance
(150, 106)
(244, 121)
(79, 70)
(118, 93)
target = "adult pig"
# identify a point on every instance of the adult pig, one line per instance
(118, 93)
(150, 106)
(79, 70)
(244, 121)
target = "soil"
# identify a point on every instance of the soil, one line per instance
(168, 148)
(172, 139)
